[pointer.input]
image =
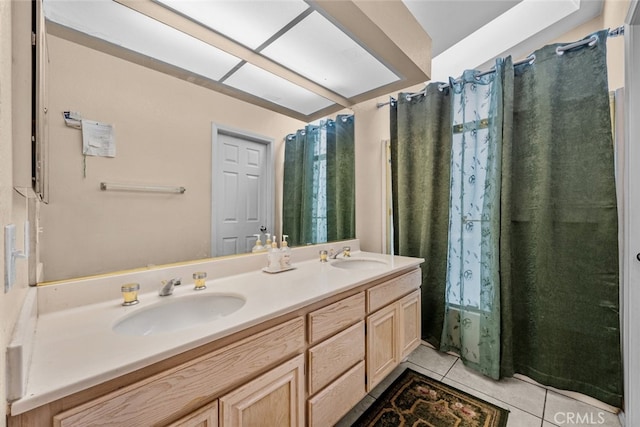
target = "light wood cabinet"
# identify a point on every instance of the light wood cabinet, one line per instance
(334, 401)
(393, 325)
(393, 289)
(336, 372)
(306, 368)
(334, 317)
(409, 323)
(160, 398)
(333, 357)
(273, 399)
(204, 417)
(382, 344)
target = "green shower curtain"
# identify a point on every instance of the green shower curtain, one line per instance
(558, 250)
(420, 157)
(341, 185)
(299, 195)
(559, 247)
(319, 183)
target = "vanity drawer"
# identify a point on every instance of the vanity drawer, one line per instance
(331, 358)
(153, 400)
(332, 403)
(388, 292)
(334, 317)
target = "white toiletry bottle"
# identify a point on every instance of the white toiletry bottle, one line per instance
(273, 257)
(267, 244)
(285, 261)
(258, 246)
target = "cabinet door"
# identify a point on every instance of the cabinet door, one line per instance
(327, 407)
(204, 417)
(382, 344)
(409, 322)
(273, 399)
(333, 357)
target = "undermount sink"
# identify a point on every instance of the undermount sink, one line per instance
(359, 263)
(178, 313)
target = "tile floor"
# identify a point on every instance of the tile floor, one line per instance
(530, 405)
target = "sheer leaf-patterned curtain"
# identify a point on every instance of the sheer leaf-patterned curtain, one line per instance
(472, 310)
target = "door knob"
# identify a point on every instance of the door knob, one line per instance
(638, 256)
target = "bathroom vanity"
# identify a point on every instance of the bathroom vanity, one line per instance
(305, 347)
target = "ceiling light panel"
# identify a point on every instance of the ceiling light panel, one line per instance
(333, 60)
(261, 83)
(249, 22)
(121, 26)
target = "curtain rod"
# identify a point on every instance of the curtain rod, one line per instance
(343, 118)
(530, 59)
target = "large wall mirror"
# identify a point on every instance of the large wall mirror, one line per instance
(169, 133)
(163, 75)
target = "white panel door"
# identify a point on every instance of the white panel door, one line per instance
(242, 191)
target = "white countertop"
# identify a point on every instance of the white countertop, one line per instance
(75, 347)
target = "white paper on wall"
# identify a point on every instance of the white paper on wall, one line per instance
(98, 139)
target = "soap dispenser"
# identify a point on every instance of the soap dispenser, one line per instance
(285, 260)
(267, 244)
(258, 246)
(273, 257)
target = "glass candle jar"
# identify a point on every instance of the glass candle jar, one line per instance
(199, 280)
(130, 293)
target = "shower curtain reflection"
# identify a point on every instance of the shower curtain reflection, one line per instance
(319, 187)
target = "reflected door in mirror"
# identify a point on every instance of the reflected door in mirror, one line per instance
(241, 192)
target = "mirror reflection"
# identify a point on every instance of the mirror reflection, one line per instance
(167, 132)
(319, 182)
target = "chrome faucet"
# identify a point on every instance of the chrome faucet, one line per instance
(168, 285)
(346, 253)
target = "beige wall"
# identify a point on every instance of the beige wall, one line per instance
(163, 137)
(5, 176)
(13, 207)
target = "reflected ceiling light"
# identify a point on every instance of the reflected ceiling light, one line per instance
(334, 60)
(250, 23)
(316, 57)
(263, 84)
(118, 25)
